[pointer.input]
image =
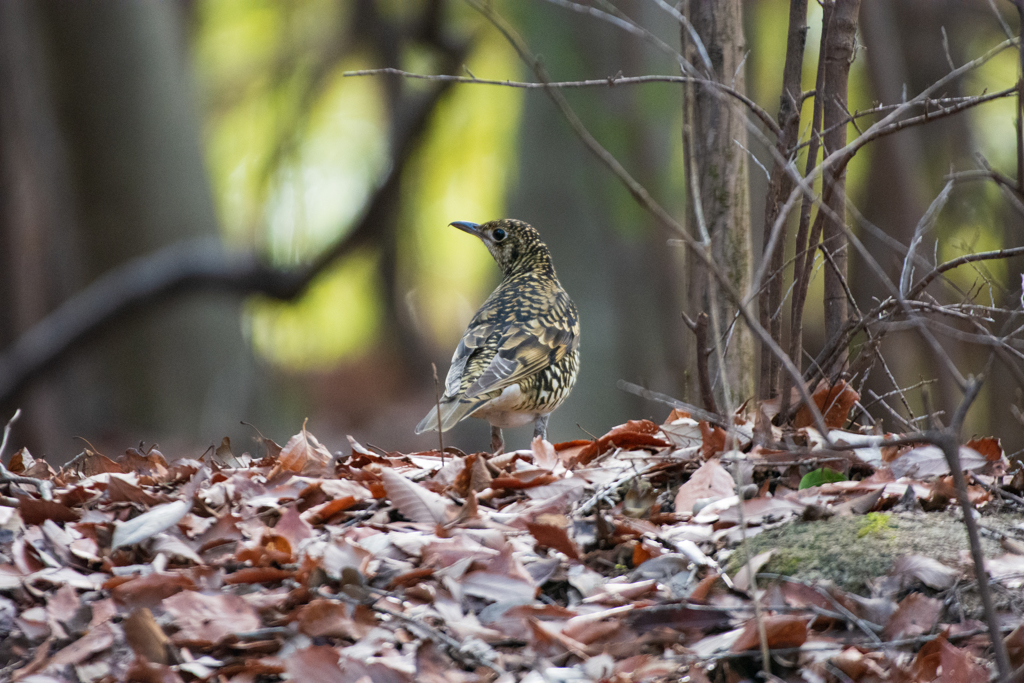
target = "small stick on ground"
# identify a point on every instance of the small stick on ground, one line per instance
(7, 433)
(437, 397)
(44, 487)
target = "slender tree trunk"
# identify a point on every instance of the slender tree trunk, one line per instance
(779, 187)
(719, 206)
(841, 18)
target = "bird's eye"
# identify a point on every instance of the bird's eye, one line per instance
(499, 235)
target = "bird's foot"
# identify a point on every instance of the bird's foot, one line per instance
(540, 426)
(497, 442)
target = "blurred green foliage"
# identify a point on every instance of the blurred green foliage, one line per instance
(295, 148)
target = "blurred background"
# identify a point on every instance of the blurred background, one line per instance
(129, 126)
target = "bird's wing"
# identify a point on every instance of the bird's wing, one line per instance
(526, 348)
(473, 339)
(449, 412)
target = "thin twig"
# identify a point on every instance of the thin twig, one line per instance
(959, 261)
(7, 433)
(700, 331)
(867, 627)
(437, 397)
(694, 411)
(948, 441)
(45, 488)
(760, 113)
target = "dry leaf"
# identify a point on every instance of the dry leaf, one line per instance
(149, 524)
(413, 501)
(303, 453)
(833, 401)
(711, 480)
(145, 637)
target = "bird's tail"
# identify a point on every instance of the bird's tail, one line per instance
(451, 413)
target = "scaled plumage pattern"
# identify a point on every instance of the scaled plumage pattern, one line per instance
(519, 357)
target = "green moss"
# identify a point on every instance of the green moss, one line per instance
(833, 550)
(786, 563)
(875, 523)
(850, 551)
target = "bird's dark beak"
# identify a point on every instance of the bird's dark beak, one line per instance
(466, 226)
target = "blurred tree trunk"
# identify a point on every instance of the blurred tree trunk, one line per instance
(719, 209)
(37, 220)
(125, 112)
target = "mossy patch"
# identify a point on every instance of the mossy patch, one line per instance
(874, 523)
(849, 551)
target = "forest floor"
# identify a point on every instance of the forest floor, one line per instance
(633, 557)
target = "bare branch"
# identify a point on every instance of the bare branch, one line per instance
(754, 108)
(694, 411)
(959, 261)
(950, 445)
(925, 224)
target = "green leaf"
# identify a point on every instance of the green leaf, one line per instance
(820, 476)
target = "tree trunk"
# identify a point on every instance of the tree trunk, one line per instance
(841, 18)
(719, 206)
(780, 185)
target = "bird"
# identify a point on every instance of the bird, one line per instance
(519, 357)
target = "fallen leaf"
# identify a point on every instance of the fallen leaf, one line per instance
(318, 663)
(554, 537)
(497, 587)
(414, 501)
(302, 453)
(928, 571)
(929, 461)
(149, 524)
(915, 616)
(145, 637)
(544, 455)
(989, 448)
(1015, 646)
(741, 581)
(209, 619)
(834, 402)
(97, 639)
(711, 480)
(149, 590)
(712, 439)
(35, 511)
(782, 630)
(632, 435)
(958, 666)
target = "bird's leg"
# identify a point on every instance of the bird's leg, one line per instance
(540, 426)
(497, 443)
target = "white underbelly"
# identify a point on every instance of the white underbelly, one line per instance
(501, 411)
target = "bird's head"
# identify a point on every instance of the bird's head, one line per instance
(515, 245)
